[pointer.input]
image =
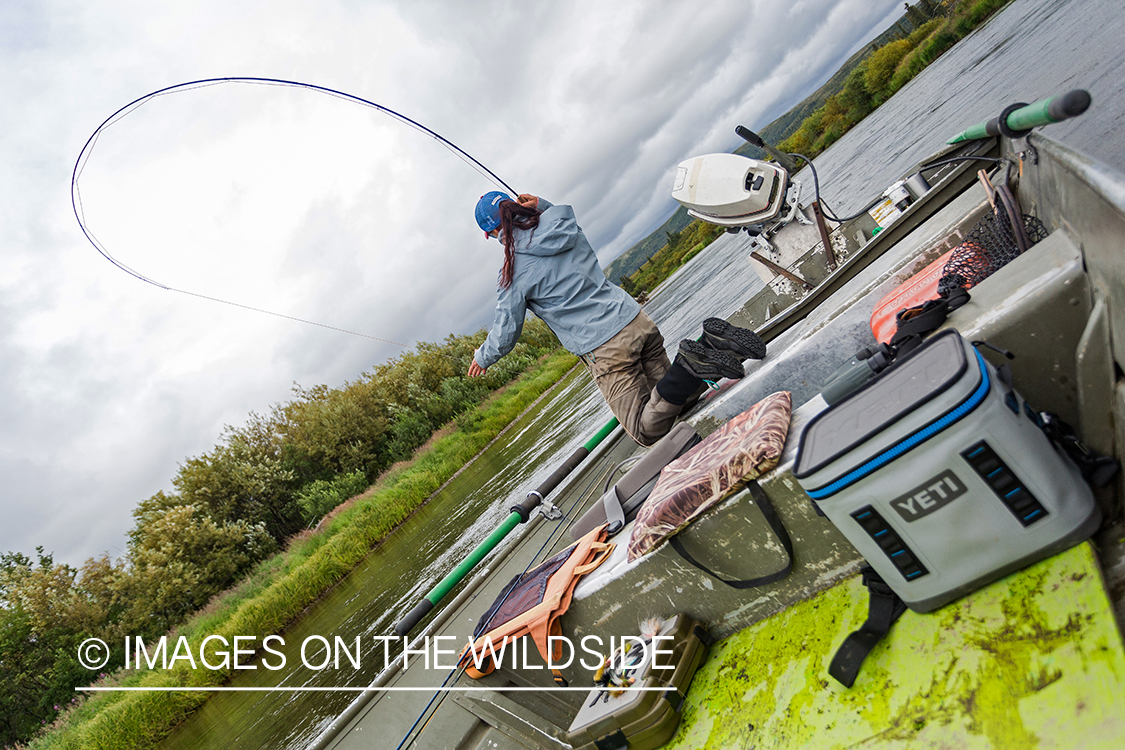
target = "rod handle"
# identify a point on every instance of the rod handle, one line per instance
(1070, 104)
(413, 617)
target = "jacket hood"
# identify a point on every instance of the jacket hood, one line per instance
(557, 233)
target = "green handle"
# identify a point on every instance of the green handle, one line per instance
(519, 514)
(1045, 112)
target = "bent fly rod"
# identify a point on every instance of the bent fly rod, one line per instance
(520, 513)
(87, 149)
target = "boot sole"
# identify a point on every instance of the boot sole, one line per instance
(709, 364)
(720, 334)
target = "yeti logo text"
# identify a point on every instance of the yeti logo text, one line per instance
(929, 496)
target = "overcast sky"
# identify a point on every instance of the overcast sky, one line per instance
(315, 207)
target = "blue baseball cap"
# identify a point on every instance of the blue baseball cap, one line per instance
(488, 210)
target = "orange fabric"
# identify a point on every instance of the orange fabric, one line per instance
(542, 620)
(920, 288)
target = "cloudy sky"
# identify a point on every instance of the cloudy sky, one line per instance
(315, 207)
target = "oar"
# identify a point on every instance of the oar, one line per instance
(1017, 119)
(520, 514)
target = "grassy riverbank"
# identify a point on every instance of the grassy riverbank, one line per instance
(281, 587)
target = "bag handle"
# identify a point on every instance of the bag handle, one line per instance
(602, 552)
(778, 528)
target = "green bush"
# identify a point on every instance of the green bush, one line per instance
(319, 498)
(881, 68)
(972, 14)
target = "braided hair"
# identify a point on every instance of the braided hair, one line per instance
(513, 216)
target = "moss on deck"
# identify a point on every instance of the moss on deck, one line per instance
(1032, 661)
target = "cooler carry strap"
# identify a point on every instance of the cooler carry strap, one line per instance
(772, 519)
(914, 323)
(884, 607)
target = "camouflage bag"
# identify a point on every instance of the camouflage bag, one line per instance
(740, 451)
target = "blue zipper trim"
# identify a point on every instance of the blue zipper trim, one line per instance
(956, 414)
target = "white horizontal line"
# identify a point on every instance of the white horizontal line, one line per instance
(361, 689)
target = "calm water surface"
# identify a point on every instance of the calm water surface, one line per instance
(1034, 49)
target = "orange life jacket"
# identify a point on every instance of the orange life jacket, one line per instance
(916, 290)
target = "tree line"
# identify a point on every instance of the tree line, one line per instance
(937, 26)
(680, 247)
(230, 508)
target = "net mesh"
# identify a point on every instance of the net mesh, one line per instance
(990, 245)
(521, 594)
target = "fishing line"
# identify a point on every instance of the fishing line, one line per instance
(120, 114)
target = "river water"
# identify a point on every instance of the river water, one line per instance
(1033, 49)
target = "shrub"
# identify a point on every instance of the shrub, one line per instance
(881, 68)
(318, 498)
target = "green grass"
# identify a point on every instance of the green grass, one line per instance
(280, 588)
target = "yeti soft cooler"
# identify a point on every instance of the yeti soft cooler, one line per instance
(938, 474)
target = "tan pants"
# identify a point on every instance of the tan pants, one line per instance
(626, 369)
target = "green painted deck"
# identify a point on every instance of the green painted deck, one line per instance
(1032, 661)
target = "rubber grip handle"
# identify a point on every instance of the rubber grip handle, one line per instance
(534, 498)
(750, 136)
(406, 624)
(1070, 104)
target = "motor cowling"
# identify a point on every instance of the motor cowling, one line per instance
(730, 190)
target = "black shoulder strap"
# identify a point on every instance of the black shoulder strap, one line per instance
(884, 607)
(768, 511)
(1096, 469)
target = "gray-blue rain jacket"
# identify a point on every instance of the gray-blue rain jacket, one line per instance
(556, 275)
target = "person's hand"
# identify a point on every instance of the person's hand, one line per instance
(475, 370)
(526, 199)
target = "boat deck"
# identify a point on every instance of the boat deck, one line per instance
(1033, 660)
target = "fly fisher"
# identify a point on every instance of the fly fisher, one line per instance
(551, 269)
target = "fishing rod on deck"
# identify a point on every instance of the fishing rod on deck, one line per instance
(520, 513)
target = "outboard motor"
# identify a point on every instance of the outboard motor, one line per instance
(731, 191)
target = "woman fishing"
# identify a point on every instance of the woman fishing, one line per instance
(550, 268)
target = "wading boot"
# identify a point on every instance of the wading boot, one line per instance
(709, 364)
(721, 335)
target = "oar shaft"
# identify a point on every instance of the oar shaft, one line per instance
(521, 512)
(438, 592)
(1045, 112)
